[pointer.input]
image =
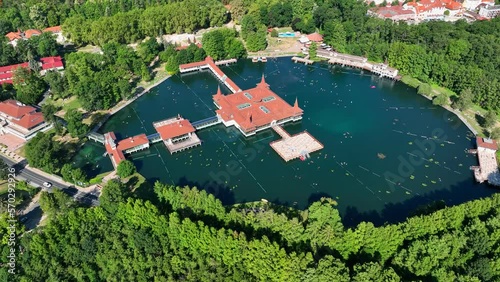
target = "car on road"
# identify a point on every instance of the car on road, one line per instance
(328, 49)
(47, 184)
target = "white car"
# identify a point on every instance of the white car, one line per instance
(328, 49)
(47, 184)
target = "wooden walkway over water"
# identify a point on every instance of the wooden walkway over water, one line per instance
(303, 60)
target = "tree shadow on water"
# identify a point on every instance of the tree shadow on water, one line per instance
(418, 205)
(220, 191)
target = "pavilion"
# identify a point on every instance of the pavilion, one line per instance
(177, 134)
(255, 109)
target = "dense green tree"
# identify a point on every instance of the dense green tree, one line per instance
(45, 43)
(335, 35)
(55, 202)
(313, 50)
(249, 25)
(49, 111)
(256, 41)
(58, 84)
(75, 125)
(73, 175)
(113, 193)
(490, 119)
(424, 89)
(440, 100)
(495, 133)
(125, 169)
(29, 86)
(4, 170)
(148, 50)
(213, 44)
(464, 101)
(172, 66)
(43, 152)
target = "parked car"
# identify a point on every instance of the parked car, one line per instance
(322, 45)
(329, 49)
(47, 184)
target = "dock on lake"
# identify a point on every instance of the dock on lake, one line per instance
(302, 60)
(292, 147)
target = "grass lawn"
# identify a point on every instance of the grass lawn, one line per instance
(4, 187)
(98, 178)
(21, 151)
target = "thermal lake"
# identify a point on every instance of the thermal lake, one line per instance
(387, 150)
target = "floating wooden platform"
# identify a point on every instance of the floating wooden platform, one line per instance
(292, 147)
(302, 60)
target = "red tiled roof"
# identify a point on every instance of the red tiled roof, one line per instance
(30, 32)
(132, 142)
(30, 120)
(178, 128)
(389, 12)
(186, 46)
(117, 155)
(12, 68)
(192, 65)
(15, 109)
(13, 35)
(253, 115)
(316, 37)
(486, 143)
(53, 29)
(452, 5)
(51, 62)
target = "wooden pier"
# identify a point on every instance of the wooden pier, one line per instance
(292, 147)
(209, 63)
(302, 60)
(226, 62)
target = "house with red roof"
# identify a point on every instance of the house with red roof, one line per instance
(315, 37)
(434, 9)
(255, 109)
(51, 63)
(46, 64)
(117, 150)
(177, 133)
(14, 37)
(57, 32)
(21, 120)
(394, 13)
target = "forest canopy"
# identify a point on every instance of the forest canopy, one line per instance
(187, 234)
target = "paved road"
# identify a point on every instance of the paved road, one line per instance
(37, 180)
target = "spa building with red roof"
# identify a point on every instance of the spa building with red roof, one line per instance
(255, 109)
(116, 150)
(177, 133)
(21, 120)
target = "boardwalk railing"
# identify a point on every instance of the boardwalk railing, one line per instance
(154, 138)
(96, 137)
(204, 123)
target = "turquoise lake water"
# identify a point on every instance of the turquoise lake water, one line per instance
(387, 150)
